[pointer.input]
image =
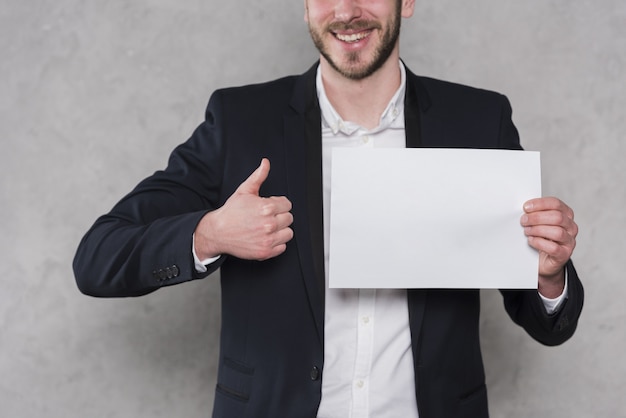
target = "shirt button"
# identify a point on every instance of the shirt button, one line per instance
(360, 384)
(365, 320)
(365, 139)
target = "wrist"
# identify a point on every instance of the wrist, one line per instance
(552, 286)
(204, 245)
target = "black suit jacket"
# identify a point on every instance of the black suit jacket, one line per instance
(272, 345)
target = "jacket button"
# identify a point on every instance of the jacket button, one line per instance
(175, 270)
(315, 373)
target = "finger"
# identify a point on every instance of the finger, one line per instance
(276, 251)
(283, 236)
(283, 220)
(559, 253)
(546, 217)
(253, 183)
(552, 233)
(277, 223)
(276, 204)
(550, 218)
(548, 203)
(280, 244)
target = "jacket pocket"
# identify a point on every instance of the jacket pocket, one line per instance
(234, 380)
(232, 392)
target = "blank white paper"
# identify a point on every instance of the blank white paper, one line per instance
(431, 218)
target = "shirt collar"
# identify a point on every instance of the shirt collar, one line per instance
(389, 118)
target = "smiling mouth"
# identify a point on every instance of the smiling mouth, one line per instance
(352, 37)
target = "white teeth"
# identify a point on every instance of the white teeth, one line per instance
(352, 37)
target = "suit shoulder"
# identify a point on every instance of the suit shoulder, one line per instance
(439, 90)
(458, 114)
(270, 91)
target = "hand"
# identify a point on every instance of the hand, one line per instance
(247, 226)
(549, 225)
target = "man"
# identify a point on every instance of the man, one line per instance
(291, 347)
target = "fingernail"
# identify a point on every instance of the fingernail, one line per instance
(528, 206)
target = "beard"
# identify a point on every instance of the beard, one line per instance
(355, 67)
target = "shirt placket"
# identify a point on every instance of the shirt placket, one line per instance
(363, 360)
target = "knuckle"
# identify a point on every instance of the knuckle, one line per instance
(269, 227)
(574, 229)
(559, 218)
(267, 208)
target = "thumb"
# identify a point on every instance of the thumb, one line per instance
(253, 183)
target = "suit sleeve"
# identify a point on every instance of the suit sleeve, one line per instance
(145, 241)
(525, 307)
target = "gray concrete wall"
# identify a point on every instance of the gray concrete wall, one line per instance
(94, 95)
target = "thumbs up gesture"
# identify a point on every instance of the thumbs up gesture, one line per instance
(247, 226)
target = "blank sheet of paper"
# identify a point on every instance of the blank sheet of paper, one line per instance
(431, 218)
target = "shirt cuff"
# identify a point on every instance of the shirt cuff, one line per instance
(553, 305)
(201, 265)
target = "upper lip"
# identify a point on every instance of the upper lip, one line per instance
(353, 27)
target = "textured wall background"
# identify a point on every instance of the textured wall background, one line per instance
(94, 95)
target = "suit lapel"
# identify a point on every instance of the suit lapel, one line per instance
(303, 147)
(416, 105)
(313, 124)
(412, 116)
